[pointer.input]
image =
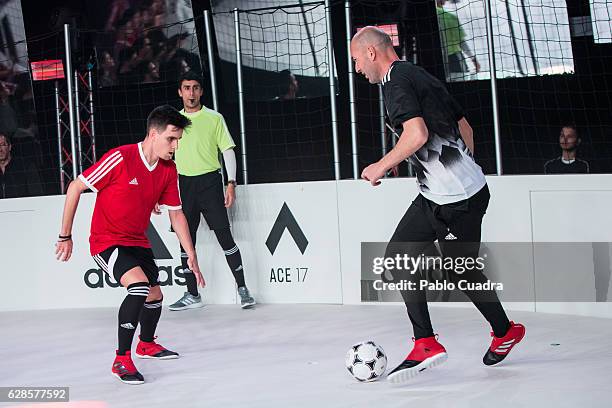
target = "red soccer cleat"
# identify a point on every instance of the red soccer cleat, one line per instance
(152, 350)
(501, 346)
(125, 371)
(427, 353)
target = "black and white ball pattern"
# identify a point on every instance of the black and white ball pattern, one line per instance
(366, 361)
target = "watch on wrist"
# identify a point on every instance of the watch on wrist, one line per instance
(232, 182)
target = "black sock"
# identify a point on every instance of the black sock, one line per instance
(128, 314)
(501, 330)
(487, 302)
(234, 261)
(496, 316)
(232, 254)
(192, 284)
(149, 317)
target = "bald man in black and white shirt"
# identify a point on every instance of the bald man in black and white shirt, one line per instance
(453, 199)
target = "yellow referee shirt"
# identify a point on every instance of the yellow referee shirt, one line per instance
(198, 150)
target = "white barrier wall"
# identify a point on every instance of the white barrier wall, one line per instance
(33, 279)
(317, 262)
(550, 208)
(305, 273)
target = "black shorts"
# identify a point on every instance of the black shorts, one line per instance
(204, 195)
(117, 260)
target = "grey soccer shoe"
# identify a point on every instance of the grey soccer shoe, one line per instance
(188, 301)
(246, 300)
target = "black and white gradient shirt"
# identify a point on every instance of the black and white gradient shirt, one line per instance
(446, 171)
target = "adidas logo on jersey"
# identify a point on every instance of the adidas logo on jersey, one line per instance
(128, 326)
(134, 182)
(450, 237)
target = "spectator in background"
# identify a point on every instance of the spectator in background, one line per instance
(567, 163)
(289, 86)
(128, 62)
(183, 66)
(174, 60)
(140, 48)
(8, 118)
(149, 72)
(147, 17)
(18, 178)
(158, 7)
(126, 34)
(108, 70)
(137, 21)
(144, 47)
(118, 7)
(452, 38)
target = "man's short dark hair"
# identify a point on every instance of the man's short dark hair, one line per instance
(570, 126)
(190, 76)
(6, 138)
(165, 115)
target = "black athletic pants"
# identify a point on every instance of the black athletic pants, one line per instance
(457, 227)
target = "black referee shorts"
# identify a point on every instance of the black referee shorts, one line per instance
(117, 260)
(204, 195)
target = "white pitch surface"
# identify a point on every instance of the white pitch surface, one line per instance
(293, 356)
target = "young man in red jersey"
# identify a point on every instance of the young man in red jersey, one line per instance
(129, 181)
(453, 192)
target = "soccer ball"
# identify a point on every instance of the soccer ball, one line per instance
(366, 361)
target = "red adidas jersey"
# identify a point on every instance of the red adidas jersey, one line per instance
(128, 189)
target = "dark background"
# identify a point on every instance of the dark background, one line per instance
(291, 141)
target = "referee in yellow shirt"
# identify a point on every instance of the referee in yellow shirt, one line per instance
(201, 185)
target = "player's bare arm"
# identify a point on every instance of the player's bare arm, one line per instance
(179, 224)
(467, 133)
(63, 247)
(413, 137)
(230, 195)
